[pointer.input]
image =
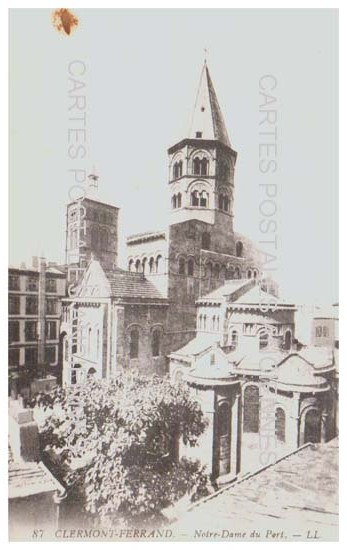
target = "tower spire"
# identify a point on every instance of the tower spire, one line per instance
(207, 121)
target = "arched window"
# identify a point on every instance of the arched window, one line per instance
(224, 419)
(204, 167)
(103, 239)
(251, 409)
(177, 169)
(97, 343)
(209, 270)
(226, 204)
(325, 332)
(73, 376)
(91, 372)
(239, 249)
(255, 274)
(203, 199)
(263, 339)
(220, 202)
(287, 340)
(73, 238)
(249, 274)
(181, 266)
(194, 198)
(138, 266)
(200, 321)
(156, 341)
(205, 322)
(89, 340)
(144, 265)
(213, 323)
(159, 264)
(206, 241)
(179, 200)
(234, 338)
(312, 433)
(217, 322)
(229, 273)
(131, 265)
(174, 201)
(134, 343)
(280, 424)
(151, 265)
(190, 267)
(196, 166)
(237, 273)
(178, 376)
(216, 271)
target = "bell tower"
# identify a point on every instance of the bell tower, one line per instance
(201, 235)
(201, 166)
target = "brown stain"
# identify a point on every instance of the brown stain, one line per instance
(64, 21)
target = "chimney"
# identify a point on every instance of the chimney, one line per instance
(22, 265)
(23, 433)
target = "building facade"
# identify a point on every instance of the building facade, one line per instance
(262, 396)
(116, 320)
(91, 230)
(35, 296)
(200, 250)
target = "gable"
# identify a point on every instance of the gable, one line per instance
(94, 283)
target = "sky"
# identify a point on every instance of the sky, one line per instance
(142, 73)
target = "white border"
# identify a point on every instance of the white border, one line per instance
(4, 230)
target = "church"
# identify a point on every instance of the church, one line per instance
(193, 301)
(198, 253)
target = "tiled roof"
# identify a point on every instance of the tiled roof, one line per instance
(246, 291)
(30, 478)
(257, 296)
(198, 344)
(296, 494)
(320, 357)
(224, 290)
(125, 284)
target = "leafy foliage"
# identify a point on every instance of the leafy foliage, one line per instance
(121, 437)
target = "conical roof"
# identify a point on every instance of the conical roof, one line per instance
(207, 121)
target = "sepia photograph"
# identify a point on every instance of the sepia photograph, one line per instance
(173, 292)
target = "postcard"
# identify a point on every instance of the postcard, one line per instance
(173, 344)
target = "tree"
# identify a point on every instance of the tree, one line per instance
(124, 435)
